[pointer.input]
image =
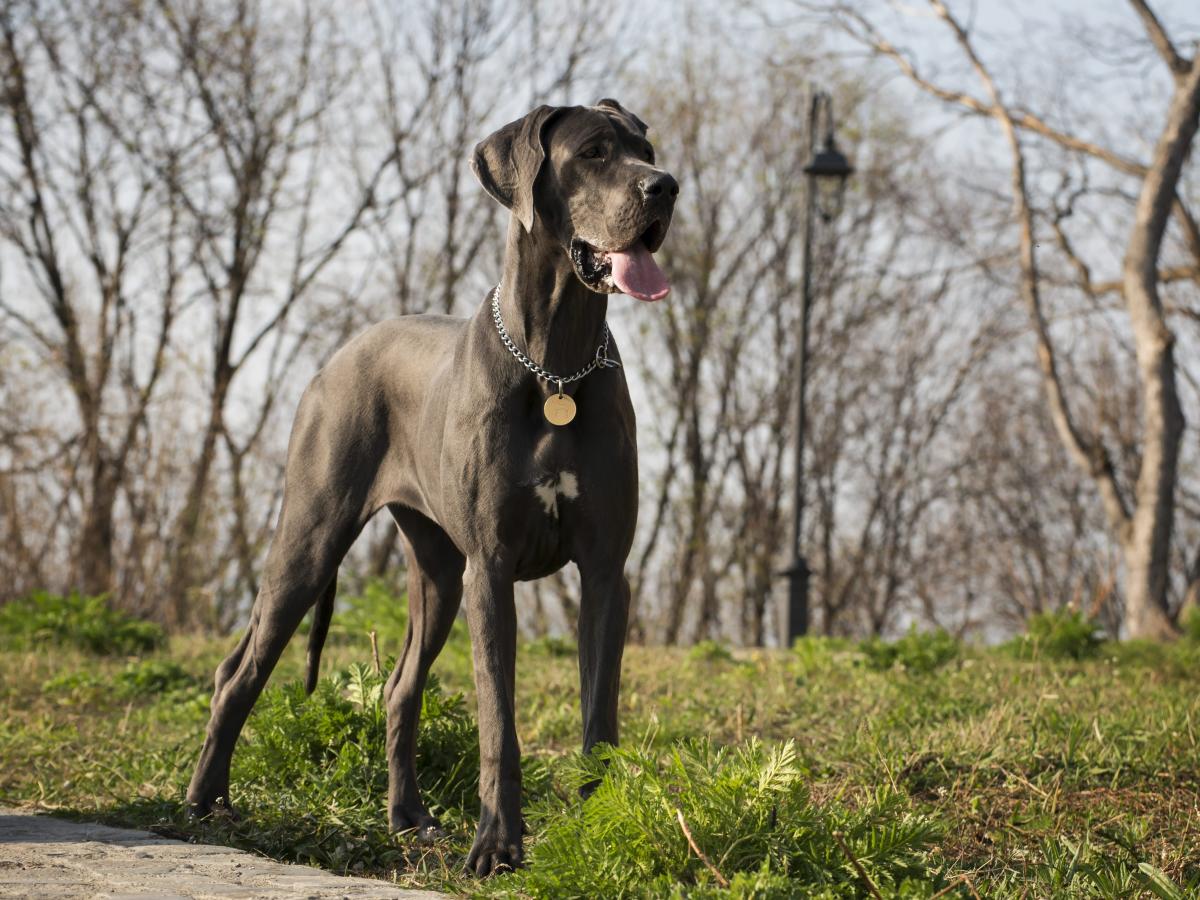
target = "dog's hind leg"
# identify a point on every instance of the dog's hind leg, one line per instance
(303, 561)
(230, 664)
(435, 570)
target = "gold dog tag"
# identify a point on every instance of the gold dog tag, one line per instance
(559, 408)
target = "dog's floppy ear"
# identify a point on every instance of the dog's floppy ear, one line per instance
(610, 103)
(507, 162)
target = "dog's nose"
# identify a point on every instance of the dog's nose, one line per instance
(657, 184)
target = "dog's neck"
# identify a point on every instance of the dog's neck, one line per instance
(548, 311)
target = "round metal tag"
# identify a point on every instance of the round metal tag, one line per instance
(559, 409)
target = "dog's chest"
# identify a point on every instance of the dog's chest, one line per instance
(551, 502)
(554, 489)
(543, 495)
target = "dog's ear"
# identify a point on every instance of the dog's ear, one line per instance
(507, 163)
(610, 103)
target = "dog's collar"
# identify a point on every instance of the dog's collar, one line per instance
(600, 361)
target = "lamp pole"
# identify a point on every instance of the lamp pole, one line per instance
(827, 167)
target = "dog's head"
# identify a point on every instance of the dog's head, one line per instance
(587, 176)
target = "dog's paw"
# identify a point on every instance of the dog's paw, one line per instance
(422, 825)
(588, 788)
(492, 855)
(430, 831)
(220, 808)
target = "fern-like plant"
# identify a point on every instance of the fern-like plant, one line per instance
(704, 821)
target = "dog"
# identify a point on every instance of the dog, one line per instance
(503, 445)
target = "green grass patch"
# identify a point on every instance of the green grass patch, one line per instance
(87, 623)
(139, 679)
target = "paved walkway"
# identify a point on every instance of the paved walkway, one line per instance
(41, 856)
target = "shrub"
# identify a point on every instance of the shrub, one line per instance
(86, 623)
(377, 609)
(148, 677)
(749, 813)
(551, 646)
(918, 651)
(325, 756)
(329, 750)
(1190, 623)
(709, 652)
(1062, 634)
(815, 651)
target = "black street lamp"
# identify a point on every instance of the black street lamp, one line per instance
(825, 185)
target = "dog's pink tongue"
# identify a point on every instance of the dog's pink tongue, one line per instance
(637, 274)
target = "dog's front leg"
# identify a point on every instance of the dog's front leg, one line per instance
(603, 617)
(492, 619)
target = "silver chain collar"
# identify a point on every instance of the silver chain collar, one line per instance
(601, 361)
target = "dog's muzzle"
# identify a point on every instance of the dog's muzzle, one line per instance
(631, 270)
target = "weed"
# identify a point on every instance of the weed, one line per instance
(1069, 868)
(376, 609)
(326, 752)
(152, 677)
(813, 652)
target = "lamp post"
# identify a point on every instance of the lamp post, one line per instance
(825, 182)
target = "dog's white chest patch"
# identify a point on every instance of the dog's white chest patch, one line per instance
(549, 490)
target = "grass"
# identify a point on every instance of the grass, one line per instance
(1061, 766)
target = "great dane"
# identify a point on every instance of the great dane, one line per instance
(463, 429)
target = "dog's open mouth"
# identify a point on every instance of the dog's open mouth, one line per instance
(631, 271)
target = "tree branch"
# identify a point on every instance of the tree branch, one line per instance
(1160, 39)
(1089, 454)
(860, 28)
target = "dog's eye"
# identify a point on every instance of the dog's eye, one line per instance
(649, 154)
(592, 153)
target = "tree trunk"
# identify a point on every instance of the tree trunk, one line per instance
(1145, 532)
(187, 529)
(1148, 544)
(1146, 613)
(96, 535)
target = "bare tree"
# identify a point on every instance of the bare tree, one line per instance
(1140, 515)
(82, 215)
(262, 82)
(718, 363)
(203, 197)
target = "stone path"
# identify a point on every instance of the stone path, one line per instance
(41, 856)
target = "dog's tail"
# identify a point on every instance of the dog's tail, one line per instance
(322, 614)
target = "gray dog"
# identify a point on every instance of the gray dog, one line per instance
(504, 447)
